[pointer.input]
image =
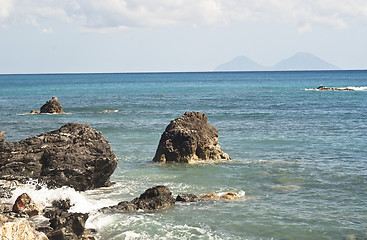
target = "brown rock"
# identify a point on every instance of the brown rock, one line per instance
(52, 106)
(188, 139)
(24, 204)
(229, 196)
(75, 155)
(158, 197)
(209, 196)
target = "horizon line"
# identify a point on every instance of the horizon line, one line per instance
(203, 71)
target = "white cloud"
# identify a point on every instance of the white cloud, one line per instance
(92, 15)
(6, 6)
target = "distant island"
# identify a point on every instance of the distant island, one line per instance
(300, 61)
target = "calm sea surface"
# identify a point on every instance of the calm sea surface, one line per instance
(299, 157)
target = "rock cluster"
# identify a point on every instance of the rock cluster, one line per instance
(322, 88)
(189, 139)
(155, 198)
(15, 224)
(74, 155)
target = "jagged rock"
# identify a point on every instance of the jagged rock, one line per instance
(74, 155)
(63, 204)
(124, 206)
(188, 139)
(183, 197)
(24, 204)
(2, 139)
(20, 229)
(52, 106)
(65, 225)
(154, 198)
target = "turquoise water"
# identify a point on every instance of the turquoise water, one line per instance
(299, 157)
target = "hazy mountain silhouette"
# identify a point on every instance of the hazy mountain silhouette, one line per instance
(300, 61)
(240, 63)
(304, 61)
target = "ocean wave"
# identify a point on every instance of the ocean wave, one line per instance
(44, 196)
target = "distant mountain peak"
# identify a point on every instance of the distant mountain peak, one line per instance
(240, 63)
(304, 61)
(299, 61)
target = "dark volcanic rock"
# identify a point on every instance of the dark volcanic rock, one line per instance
(184, 197)
(188, 139)
(52, 106)
(65, 225)
(154, 198)
(74, 155)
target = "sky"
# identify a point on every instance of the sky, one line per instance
(67, 36)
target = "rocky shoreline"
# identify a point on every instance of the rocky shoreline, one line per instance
(77, 156)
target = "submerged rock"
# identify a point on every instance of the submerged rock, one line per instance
(74, 155)
(225, 196)
(188, 139)
(52, 106)
(184, 197)
(323, 88)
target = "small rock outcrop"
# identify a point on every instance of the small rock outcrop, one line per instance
(189, 139)
(159, 197)
(323, 88)
(20, 228)
(75, 155)
(155, 198)
(52, 106)
(187, 197)
(24, 204)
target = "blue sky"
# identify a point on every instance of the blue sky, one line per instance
(46, 36)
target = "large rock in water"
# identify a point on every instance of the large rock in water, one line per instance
(52, 106)
(189, 139)
(75, 155)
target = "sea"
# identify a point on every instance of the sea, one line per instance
(299, 156)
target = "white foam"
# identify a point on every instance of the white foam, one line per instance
(358, 88)
(44, 196)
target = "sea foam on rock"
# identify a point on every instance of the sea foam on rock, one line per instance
(189, 139)
(75, 155)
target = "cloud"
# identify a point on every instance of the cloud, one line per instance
(6, 6)
(92, 15)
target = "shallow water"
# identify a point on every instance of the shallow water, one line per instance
(299, 157)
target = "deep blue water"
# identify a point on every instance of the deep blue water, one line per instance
(300, 156)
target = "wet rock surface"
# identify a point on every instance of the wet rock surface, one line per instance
(189, 139)
(187, 197)
(155, 198)
(323, 88)
(74, 155)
